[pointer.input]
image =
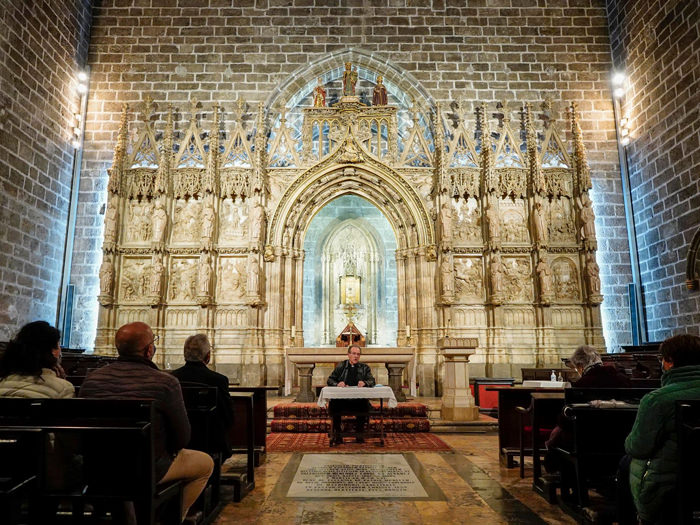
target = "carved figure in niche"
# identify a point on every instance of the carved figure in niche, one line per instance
(159, 219)
(186, 218)
(493, 222)
(182, 281)
(587, 217)
(446, 275)
(156, 275)
(233, 220)
(349, 80)
(565, 279)
(141, 221)
(538, 223)
(592, 274)
(379, 97)
(232, 280)
(319, 95)
(446, 222)
(468, 225)
(204, 274)
(253, 275)
(111, 222)
(513, 227)
(106, 276)
(257, 223)
(413, 239)
(544, 275)
(468, 278)
(560, 226)
(286, 237)
(134, 280)
(207, 229)
(518, 279)
(497, 274)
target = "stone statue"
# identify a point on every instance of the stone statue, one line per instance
(319, 95)
(446, 214)
(204, 274)
(587, 217)
(497, 273)
(257, 222)
(156, 275)
(111, 222)
(379, 97)
(592, 273)
(544, 274)
(493, 222)
(207, 231)
(539, 226)
(159, 219)
(447, 277)
(349, 80)
(286, 237)
(253, 275)
(106, 276)
(413, 240)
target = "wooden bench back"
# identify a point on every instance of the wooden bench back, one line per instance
(688, 426)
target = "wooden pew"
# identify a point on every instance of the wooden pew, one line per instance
(487, 399)
(536, 423)
(598, 445)
(584, 395)
(20, 468)
(239, 437)
(544, 374)
(245, 430)
(688, 427)
(114, 439)
(509, 420)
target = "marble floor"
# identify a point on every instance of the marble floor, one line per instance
(467, 485)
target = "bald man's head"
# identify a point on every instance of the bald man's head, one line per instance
(133, 338)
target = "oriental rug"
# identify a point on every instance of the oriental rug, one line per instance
(318, 442)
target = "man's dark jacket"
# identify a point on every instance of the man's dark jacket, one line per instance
(140, 378)
(198, 372)
(340, 374)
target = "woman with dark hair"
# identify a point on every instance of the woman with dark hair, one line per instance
(29, 365)
(653, 442)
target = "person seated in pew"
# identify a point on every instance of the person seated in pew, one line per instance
(134, 376)
(30, 367)
(594, 374)
(653, 442)
(350, 373)
(197, 352)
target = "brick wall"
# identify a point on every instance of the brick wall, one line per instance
(490, 50)
(657, 43)
(42, 45)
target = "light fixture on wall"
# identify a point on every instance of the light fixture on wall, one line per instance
(82, 88)
(624, 131)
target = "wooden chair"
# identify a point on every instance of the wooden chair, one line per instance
(688, 427)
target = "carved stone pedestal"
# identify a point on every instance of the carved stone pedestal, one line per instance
(457, 400)
(306, 395)
(396, 378)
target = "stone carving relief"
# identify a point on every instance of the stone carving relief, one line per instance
(157, 270)
(186, 227)
(514, 229)
(111, 222)
(518, 281)
(159, 220)
(498, 271)
(233, 220)
(561, 225)
(182, 280)
(206, 231)
(565, 272)
(232, 279)
(468, 279)
(539, 225)
(134, 280)
(493, 222)
(139, 221)
(587, 218)
(106, 276)
(592, 274)
(468, 221)
(446, 276)
(204, 274)
(257, 223)
(544, 277)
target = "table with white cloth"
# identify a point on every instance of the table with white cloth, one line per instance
(353, 392)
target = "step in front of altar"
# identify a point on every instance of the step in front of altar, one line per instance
(309, 417)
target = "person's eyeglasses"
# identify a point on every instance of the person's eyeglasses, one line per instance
(155, 339)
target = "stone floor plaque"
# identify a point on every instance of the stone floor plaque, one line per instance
(355, 476)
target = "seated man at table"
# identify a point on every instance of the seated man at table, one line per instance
(350, 373)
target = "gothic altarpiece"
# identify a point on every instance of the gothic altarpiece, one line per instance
(205, 225)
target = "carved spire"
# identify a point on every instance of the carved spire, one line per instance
(538, 182)
(442, 179)
(486, 153)
(166, 154)
(209, 182)
(580, 160)
(260, 146)
(115, 172)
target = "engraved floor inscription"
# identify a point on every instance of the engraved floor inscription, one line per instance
(355, 476)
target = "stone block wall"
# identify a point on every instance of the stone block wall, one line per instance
(42, 45)
(657, 44)
(219, 50)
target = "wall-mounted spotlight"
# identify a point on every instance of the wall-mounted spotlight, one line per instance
(618, 80)
(624, 131)
(78, 116)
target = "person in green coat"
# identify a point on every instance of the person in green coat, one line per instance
(653, 441)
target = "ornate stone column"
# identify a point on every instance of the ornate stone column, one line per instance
(457, 400)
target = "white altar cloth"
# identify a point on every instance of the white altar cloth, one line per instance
(355, 392)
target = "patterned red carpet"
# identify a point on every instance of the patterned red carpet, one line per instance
(318, 442)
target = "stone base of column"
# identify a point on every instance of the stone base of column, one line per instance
(395, 379)
(306, 394)
(459, 413)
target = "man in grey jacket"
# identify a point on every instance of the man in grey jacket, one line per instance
(350, 373)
